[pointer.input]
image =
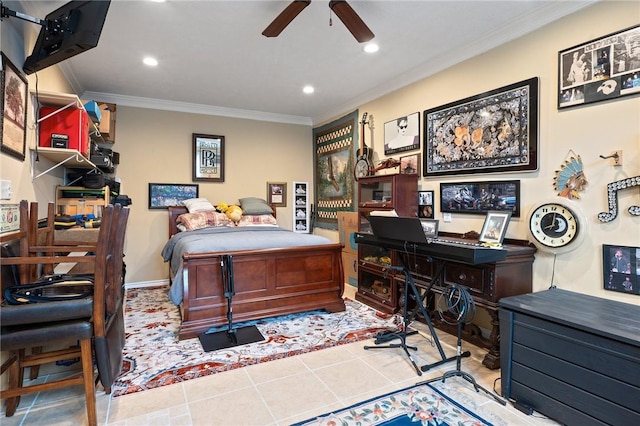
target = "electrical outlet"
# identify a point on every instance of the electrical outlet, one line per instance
(446, 217)
(6, 189)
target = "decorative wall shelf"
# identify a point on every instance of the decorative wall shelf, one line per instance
(61, 157)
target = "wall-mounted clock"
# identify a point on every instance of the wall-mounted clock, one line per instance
(557, 225)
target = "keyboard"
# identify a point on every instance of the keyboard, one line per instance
(456, 242)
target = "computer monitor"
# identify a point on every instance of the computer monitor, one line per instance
(69, 30)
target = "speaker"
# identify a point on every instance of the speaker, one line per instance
(115, 158)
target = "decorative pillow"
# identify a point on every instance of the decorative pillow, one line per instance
(257, 220)
(195, 205)
(253, 206)
(193, 221)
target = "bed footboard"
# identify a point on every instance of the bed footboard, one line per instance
(267, 283)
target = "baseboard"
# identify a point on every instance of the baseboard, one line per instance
(142, 284)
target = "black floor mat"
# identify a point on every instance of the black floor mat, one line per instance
(225, 339)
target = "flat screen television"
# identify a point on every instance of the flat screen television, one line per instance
(69, 30)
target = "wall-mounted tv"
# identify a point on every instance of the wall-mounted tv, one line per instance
(68, 31)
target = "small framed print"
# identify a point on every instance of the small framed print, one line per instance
(430, 227)
(402, 134)
(495, 227)
(13, 134)
(425, 204)
(621, 268)
(208, 158)
(277, 193)
(163, 195)
(410, 164)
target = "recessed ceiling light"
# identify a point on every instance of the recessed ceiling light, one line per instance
(371, 48)
(308, 89)
(152, 62)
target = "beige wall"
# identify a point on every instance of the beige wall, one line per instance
(586, 131)
(155, 146)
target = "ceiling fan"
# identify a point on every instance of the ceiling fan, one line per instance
(341, 8)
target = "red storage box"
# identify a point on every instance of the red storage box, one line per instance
(72, 122)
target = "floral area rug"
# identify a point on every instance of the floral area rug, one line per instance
(422, 404)
(154, 357)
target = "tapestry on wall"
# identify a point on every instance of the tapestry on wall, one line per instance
(333, 162)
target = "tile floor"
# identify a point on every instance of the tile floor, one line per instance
(275, 393)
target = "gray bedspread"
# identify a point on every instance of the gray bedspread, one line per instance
(224, 239)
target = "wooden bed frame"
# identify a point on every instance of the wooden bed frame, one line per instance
(268, 282)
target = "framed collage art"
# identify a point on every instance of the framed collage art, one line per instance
(601, 69)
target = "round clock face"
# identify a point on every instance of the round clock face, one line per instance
(361, 169)
(554, 226)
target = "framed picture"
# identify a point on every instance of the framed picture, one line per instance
(621, 268)
(163, 195)
(430, 227)
(496, 131)
(410, 164)
(480, 197)
(425, 204)
(601, 69)
(402, 134)
(208, 158)
(13, 135)
(378, 195)
(494, 227)
(277, 193)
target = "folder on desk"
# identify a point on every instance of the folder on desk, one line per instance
(408, 229)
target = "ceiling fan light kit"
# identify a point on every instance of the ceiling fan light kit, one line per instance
(341, 8)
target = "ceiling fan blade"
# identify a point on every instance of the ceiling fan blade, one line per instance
(286, 16)
(351, 20)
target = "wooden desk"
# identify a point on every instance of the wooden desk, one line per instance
(72, 236)
(487, 283)
(76, 235)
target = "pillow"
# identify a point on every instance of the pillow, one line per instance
(253, 206)
(193, 221)
(195, 205)
(257, 220)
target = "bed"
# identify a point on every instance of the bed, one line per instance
(303, 272)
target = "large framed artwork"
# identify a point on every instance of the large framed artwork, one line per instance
(621, 267)
(208, 158)
(402, 134)
(601, 69)
(163, 195)
(335, 184)
(496, 131)
(13, 135)
(480, 197)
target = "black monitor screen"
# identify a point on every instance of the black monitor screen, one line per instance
(69, 30)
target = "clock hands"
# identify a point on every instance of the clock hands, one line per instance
(553, 222)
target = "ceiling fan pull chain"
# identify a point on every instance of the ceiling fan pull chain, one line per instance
(330, 17)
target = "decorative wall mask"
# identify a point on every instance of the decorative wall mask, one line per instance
(570, 178)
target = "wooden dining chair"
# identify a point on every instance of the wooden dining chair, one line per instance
(55, 323)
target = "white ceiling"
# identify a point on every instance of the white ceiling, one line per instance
(214, 59)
